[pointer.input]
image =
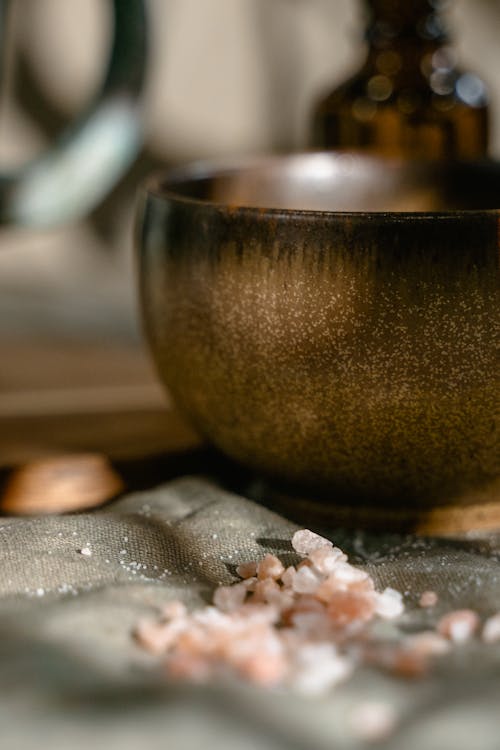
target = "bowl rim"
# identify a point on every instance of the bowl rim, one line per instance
(161, 185)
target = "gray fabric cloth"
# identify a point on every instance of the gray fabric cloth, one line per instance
(72, 676)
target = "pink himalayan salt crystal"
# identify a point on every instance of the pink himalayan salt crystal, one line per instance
(304, 564)
(346, 607)
(288, 577)
(250, 583)
(412, 657)
(267, 590)
(157, 637)
(459, 626)
(304, 542)
(389, 604)
(174, 610)
(209, 617)
(399, 659)
(409, 663)
(255, 614)
(344, 580)
(257, 628)
(428, 599)
(193, 640)
(251, 639)
(491, 629)
(302, 604)
(189, 666)
(325, 559)
(348, 574)
(363, 586)
(264, 669)
(306, 581)
(247, 570)
(328, 588)
(373, 721)
(228, 598)
(313, 624)
(270, 567)
(428, 643)
(318, 667)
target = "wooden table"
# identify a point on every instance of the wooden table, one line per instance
(59, 395)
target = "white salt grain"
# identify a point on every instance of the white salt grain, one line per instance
(85, 551)
(326, 559)
(389, 604)
(304, 542)
(373, 721)
(318, 668)
(306, 581)
(459, 626)
(348, 574)
(491, 629)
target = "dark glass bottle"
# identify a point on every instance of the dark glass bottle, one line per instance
(409, 98)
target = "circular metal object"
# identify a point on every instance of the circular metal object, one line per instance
(332, 322)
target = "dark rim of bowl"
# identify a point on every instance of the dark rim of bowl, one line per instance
(161, 184)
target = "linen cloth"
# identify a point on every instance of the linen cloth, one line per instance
(71, 674)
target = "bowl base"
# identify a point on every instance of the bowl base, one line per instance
(445, 520)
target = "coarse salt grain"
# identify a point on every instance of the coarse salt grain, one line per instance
(326, 559)
(491, 629)
(304, 542)
(428, 643)
(247, 570)
(250, 584)
(428, 599)
(157, 637)
(459, 626)
(174, 610)
(373, 721)
(346, 607)
(319, 668)
(288, 577)
(227, 598)
(347, 574)
(85, 551)
(267, 590)
(389, 604)
(270, 567)
(306, 581)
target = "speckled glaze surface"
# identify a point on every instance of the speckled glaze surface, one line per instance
(353, 357)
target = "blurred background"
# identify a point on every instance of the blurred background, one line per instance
(225, 77)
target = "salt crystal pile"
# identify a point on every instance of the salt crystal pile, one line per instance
(294, 627)
(305, 627)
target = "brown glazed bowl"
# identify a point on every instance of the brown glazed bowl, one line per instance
(332, 322)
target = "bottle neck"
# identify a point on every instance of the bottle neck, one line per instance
(407, 38)
(396, 20)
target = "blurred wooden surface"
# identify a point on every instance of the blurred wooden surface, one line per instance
(60, 395)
